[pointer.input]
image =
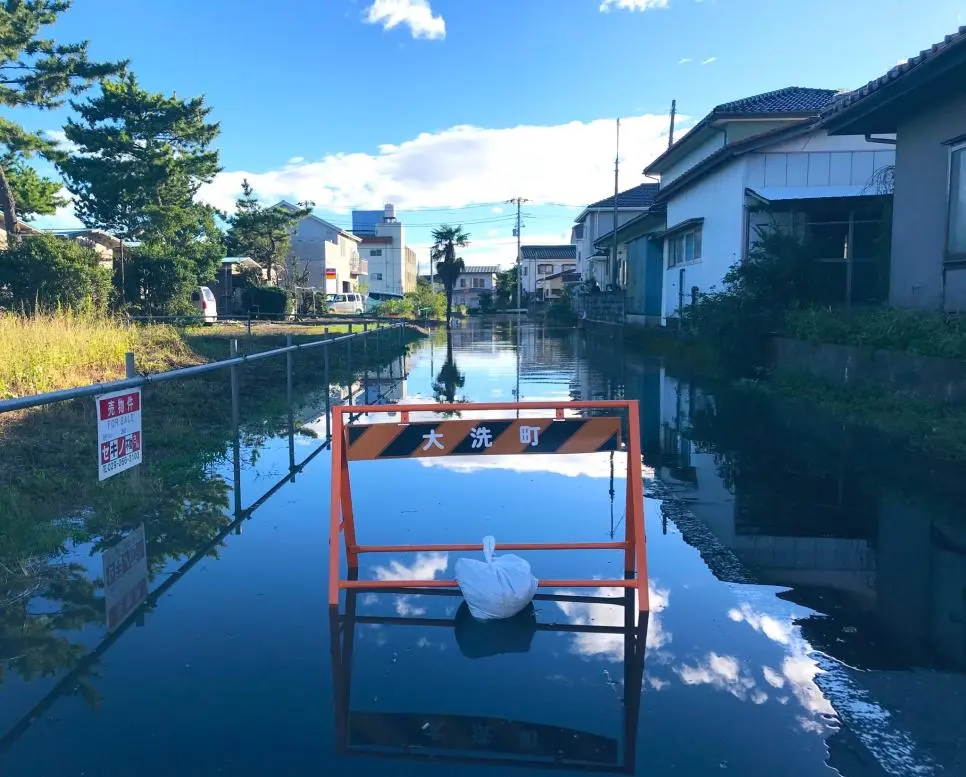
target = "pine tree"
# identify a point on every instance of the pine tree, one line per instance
(36, 72)
(263, 234)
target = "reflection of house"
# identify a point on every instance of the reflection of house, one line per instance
(322, 249)
(539, 262)
(473, 282)
(597, 219)
(760, 160)
(923, 102)
(392, 264)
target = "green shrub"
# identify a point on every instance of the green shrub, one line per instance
(941, 335)
(268, 301)
(44, 273)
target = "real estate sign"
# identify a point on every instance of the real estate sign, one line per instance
(118, 432)
(125, 577)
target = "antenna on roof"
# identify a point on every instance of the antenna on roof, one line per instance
(670, 134)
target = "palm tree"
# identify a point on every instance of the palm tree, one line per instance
(446, 240)
(449, 380)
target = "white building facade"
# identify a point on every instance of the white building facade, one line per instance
(392, 264)
(472, 283)
(538, 262)
(328, 255)
(782, 172)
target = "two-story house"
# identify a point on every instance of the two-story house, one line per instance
(764, 160)
(598, 219)
(473, 282)
(537, 262)
(328, 255)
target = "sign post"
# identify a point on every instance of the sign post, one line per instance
(119, 443)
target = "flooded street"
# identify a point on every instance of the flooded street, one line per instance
(808, 606)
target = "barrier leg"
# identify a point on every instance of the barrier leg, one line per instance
(636, 485)
(629, 526)
(348, 518)
(335, 505)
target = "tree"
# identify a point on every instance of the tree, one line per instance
(446, 240)
(141, 159)
(263, 234)
(449, 379)
(36, 72)
(44, 272)
(506, 288)
(34, 194)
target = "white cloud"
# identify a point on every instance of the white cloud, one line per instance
(566, 163)
(632, 5)
(496, 209)
(685, 60)
(63, 218)
(709, 60)
(59, 138)
(415, 14)
(296, 160)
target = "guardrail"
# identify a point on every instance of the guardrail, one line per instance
(135, 381)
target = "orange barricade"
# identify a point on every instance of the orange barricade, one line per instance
(483, 437)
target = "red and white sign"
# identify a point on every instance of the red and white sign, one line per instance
(330, 272)
(125, 577)
(119, 441)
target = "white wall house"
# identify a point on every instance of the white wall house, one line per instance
(758, 161)
(538, 262)
(472, 282)
(598, 219)
(329, 254)
(392, 265)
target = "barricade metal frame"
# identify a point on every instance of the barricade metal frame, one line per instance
(342, 516)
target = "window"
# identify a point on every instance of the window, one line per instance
(375, 252)
(377, 276)
(479, 283)
(956, 238)
(462, 283)
(569, 268)
(524, 269)
(544, 269)
(684, 247)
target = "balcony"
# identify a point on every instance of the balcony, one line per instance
(358, 266)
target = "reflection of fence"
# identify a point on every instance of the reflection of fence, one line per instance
(491, 436)
(500, 742)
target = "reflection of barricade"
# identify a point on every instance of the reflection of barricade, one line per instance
(472, 739)
(481, 437)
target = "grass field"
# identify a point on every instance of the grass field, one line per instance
(63, 350)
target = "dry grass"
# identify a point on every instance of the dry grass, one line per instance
(62, 350)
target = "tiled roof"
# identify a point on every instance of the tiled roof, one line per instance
(640, 196)
(488, 269)
(925, 56)
(548, 252)
(791, 99)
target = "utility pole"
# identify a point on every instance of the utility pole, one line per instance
(670, 134)
(518, 201)
(617, 161)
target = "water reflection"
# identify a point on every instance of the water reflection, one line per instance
(467, 738)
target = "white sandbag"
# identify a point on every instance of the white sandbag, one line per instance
(498, 587)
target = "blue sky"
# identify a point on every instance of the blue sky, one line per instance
(438, 103)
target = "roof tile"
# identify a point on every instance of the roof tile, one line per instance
(549, 252)
(640, 196)
(791, 99)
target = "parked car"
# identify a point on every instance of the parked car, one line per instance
(350, 304)
(204, 301)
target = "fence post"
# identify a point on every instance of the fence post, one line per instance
(350, 327)
(236, 443)
(131, 372)
(288, 393)
(328, 390)
(249, 323)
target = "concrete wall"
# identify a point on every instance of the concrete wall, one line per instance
(607, 307)
(719, 199)
(941, 379)
(920, 210)
(313, 241)
(391, 264)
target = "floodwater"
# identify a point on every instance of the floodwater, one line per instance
(808, 602)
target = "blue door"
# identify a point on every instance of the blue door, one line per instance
(654, 278)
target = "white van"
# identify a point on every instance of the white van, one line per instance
(204, 301)
(351, 304)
